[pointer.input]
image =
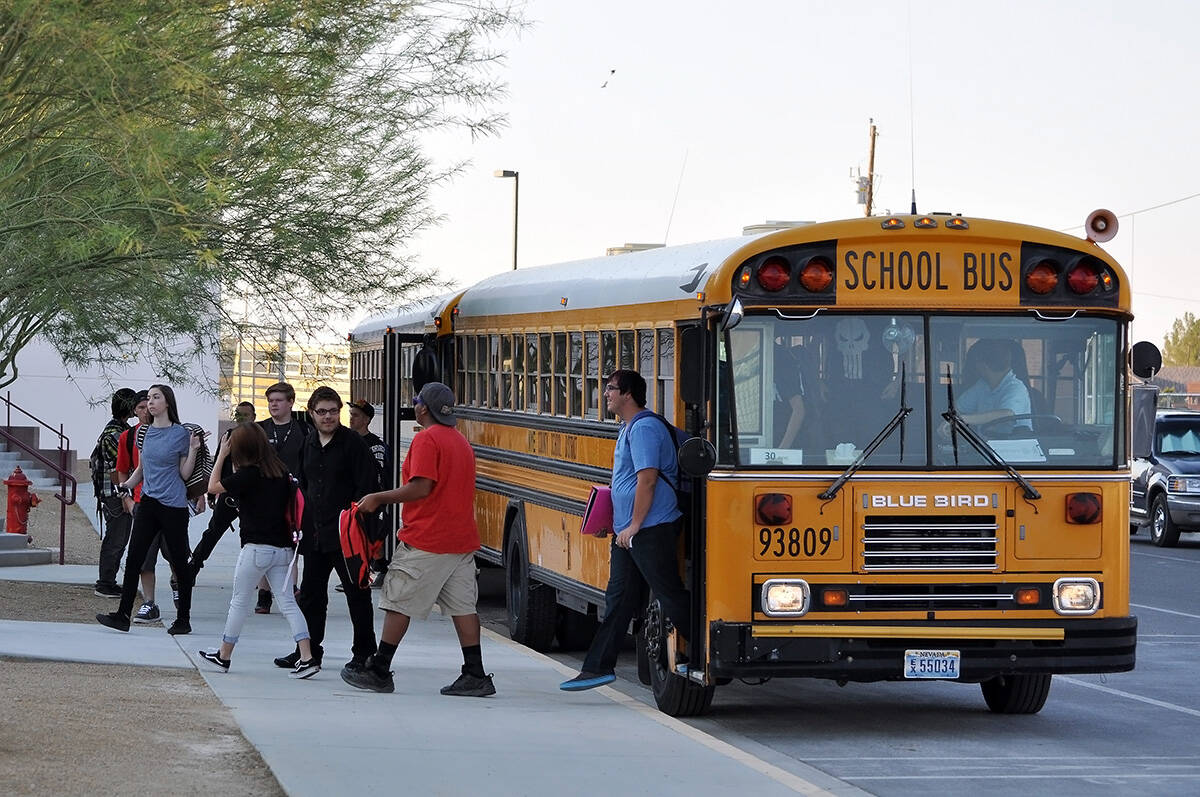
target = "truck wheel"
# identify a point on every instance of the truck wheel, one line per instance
(1016, 694)
(1163, 532)
(674, 694)
(532, 607)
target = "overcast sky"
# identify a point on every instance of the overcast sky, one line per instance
(720, 115)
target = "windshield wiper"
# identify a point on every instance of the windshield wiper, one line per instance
(896, 421)
(959, 426)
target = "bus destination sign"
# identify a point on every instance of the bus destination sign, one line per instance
(981, 275)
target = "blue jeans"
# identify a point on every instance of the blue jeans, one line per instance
(652, 563)
(254, 562)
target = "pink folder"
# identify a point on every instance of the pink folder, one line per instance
(598, 517)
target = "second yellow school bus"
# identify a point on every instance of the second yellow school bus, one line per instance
(916, 437)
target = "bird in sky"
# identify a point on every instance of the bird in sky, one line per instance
(611, 72)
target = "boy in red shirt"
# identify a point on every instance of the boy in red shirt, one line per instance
(438, 539)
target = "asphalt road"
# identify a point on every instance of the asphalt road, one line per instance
(1126, 733)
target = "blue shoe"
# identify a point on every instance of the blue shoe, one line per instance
(587, 680)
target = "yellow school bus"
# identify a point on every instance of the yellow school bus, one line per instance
(909, 454)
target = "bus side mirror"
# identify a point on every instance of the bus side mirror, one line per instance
(691, 365)
(1144, 401)
(1145, 359)
(697, 457)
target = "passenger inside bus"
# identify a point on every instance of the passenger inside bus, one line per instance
(793, 382)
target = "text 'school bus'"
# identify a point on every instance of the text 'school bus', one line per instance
(910, 457)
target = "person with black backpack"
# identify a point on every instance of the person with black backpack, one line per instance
(115, 521)
(647, 519)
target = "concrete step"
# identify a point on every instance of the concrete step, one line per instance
(13, 542)
(15, 552)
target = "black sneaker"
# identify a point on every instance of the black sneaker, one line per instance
(114, 620)
(107, 590)
(289, 661)
(467, 685)
(356, 664)
(148, 613)
(180, 627)
(368, 678)
(213, 657)
(306, 668)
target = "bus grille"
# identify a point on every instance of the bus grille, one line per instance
(905, 543)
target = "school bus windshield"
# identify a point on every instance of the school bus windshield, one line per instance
(815, 391)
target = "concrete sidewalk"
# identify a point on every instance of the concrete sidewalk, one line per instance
(320, 736)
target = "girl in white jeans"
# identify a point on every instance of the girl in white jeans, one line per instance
(263, 490)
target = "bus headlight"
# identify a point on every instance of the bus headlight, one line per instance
(1076, 596)
(785, 597)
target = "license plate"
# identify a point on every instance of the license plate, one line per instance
(931, 663)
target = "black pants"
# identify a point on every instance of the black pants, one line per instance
(651, 564)
(151, 518)
(116, 537)
(224, 512)
(314, 602)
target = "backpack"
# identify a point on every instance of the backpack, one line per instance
(362, 537)
(197, 483)
(103, 461)
(682, 490)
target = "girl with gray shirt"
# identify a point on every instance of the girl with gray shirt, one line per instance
(168, 458)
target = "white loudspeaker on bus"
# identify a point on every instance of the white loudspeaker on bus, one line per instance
(1101, 226)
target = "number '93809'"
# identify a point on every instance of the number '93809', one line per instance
(793, 543)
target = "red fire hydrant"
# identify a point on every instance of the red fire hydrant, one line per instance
(20, 500)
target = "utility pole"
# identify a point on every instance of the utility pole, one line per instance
(871, 170)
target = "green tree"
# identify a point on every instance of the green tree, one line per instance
(1181, 346)
(157, 156)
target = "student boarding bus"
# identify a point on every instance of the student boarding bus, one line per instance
(909, 455)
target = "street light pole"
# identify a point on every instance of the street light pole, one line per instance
(516, 178)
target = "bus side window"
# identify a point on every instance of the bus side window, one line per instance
(645, 366)
(506, 373)
(560, 373)
(576, 383)
(591, 384)
(493, 367)
(628, 355)
(665, 387)
(608, 361)
(531, 371)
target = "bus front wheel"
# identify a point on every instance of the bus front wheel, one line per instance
(1024, 693)
(532, 607)
(674, 694)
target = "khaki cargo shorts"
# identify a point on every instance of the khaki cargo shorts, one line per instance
(417, 579)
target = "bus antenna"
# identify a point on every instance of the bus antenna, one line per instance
(914, 201)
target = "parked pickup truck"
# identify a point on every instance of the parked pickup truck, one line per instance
(1165, 489)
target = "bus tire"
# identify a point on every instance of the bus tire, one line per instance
(532, 607)
(675, 695)
(1024, 693)
(575, 631)
(1163, 531)
(643, 658)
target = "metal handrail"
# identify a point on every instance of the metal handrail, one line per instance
(65, 476)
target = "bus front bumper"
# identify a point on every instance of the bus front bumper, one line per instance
(875, 651)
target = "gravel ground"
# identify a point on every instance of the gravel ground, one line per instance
(86, 729)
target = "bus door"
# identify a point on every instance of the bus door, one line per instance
(401, 352)
(696, 352)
